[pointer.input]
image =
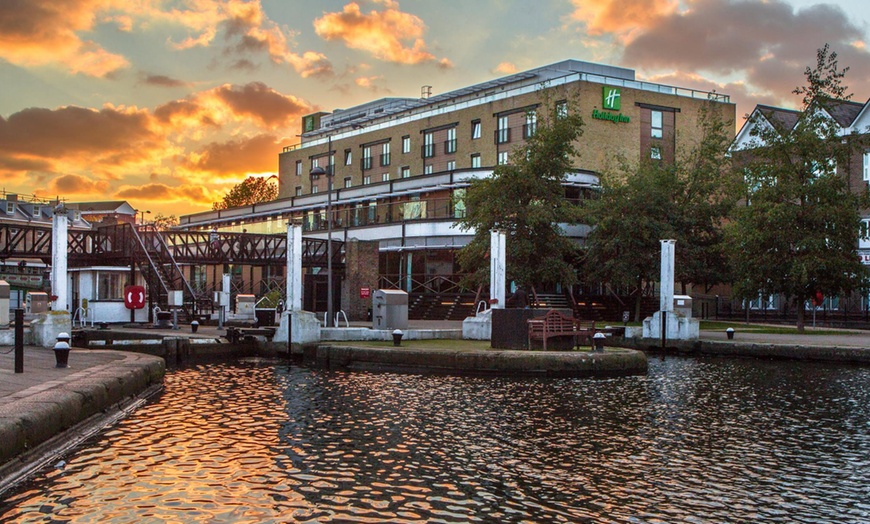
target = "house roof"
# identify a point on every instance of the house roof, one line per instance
(843, 111)
(781, 119)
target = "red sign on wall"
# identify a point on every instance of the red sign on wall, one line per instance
(365, 292)
(134, 297)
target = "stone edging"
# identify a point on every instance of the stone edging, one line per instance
(45, 419)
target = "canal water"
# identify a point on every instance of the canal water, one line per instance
(696, 440)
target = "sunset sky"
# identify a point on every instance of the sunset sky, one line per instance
(168, 104)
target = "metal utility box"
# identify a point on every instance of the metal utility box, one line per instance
(245, 306)
(37, 302)
(683, 305)
(176, 298)
(389, 309)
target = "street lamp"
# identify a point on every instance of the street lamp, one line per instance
(315, 173)
(142, 216)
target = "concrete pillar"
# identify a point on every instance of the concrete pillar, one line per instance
(497, 268)
(294, 267)
(667, 278)
(59, 247)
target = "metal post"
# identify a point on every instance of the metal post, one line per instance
(19, 340)
(329, 309)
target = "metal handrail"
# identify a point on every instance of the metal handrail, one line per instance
(342, 313)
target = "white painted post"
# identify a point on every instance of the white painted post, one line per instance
(667, 276)
(294, 267)
(497, 268)
(59, 247)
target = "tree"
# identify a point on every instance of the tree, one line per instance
(526, 199)
(638, 206)
(163, 222)
(250, 191)
(798, 232)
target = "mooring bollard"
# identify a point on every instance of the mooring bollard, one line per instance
(730, 333)
(19, 340)
(397, 337)
(61, 350)
(598, 341)
(194, 326)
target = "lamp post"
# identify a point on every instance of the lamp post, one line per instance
(315, 174)
(142, 216)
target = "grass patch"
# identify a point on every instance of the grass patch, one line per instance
(765, 329)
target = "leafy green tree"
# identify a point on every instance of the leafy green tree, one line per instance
(250, 191)
(798, 233)
(526, 199)
(638, 206)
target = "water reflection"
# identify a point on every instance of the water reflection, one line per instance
(695, 440)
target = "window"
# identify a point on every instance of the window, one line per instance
(314, 190)
(385, 177)
(561, 109)
(531, 124)
(427, 169)
(406, 172)
(298, 168)
(451, 165)
(110, 285)
(385, 154)
(10, 208)
(367, 180)
(475, 160)
(502, 158)
(475, 129)
(864, 234)
(406, 144)
(315, 162)
(655, 153)
(348, 157)
(298, 190)
(459, 203)
(656, 124)
(348, 181)
(503, 132)
(867, 166)
(367, 158)
(428, 145)
(450, 143)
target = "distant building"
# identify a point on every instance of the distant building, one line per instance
(401, 165)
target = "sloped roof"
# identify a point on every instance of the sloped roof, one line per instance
(781, 119)
(843, 111)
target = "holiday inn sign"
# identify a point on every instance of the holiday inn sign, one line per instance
(612, 101)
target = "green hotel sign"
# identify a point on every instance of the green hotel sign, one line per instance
(611, 99)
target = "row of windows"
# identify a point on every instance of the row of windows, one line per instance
(429, 149)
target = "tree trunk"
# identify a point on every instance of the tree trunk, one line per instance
(800, 315)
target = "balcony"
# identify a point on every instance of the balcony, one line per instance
(365, 163)
(503, 136)
(427, 150)
(385, 159)
(450, 146)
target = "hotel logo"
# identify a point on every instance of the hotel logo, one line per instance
(610, 98)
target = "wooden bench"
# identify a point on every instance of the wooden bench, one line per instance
(555, 324)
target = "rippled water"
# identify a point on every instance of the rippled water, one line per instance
(694, 441)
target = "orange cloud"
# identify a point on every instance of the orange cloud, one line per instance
(77, 185)
(505, 68)
(163, 193)
(381, 33)
(620, 17)
(237, 157)
(262, 103)
(45, 32)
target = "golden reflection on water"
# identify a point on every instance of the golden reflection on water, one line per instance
(696, 440)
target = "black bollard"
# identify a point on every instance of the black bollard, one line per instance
(19, 340)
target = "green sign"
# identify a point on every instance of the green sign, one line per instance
(307, 123)
(610, 98)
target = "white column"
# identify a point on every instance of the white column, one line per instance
(667, 278)
(294, 267)
(497, 268)
(59, 248)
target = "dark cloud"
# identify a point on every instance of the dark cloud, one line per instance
(771, 43)
(164, 81)
(237, 157)
(72, 131)
(77, 185)
(262, 103)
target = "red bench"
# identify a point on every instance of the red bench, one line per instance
(555, 324)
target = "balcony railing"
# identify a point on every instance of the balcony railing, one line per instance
(529, 130)
(503, 136)
(427, 150)
(365, 163)
(450, 146)
(385, 159)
